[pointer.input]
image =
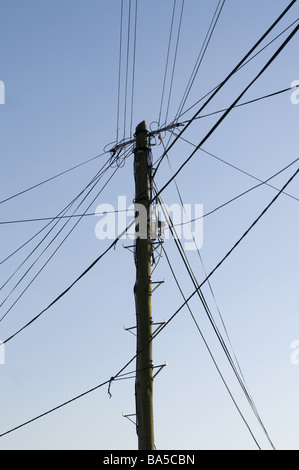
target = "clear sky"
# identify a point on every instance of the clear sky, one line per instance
(60, 67)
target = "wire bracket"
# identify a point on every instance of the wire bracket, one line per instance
(160, 368)
(130, 329)
(129, 417)
(129, 247)
(158, 284)
(160, 326)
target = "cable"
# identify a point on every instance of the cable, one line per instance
(246, 173)
(162, 327)
(110, 162)
(171, 179)
(247, 102)
(94, 181)
(112, 245)
(205, 273)
(48, 260)
(163, 188)
(127, 67)
(213, 323)
(119, 67)
(275, 55)
(167, 59)
(175, 58)
(55, 408)
(116, 377)
(208, 348)
(48, 233)
(232, 249)
(243, 194)
(200, 57)
(40, 219)
(243, 65)
(134, 62)
(62, 294)
(219, 87)
(64, 211)
(57, 217)
(51, 178)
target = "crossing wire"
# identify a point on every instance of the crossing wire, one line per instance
(240, 195)
(162, 327)
(219, 264)
(127, 67)
(233, 248)
(199, 292)
(175, 59)
(221, 85)
(275, 55)
(200, 57)
(59, 215)
(241, 66)
(93, 183)
(167, 60)
(119, 68)
(208, 347)
(203, 266)
(270, 95)
(263, 182)
(40, 219)
(134, 66)
(57, 221)
(51, 178)
(55, 251)
(112, 245)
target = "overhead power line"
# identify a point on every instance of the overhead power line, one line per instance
(221, 85)
(239, 169)
(243, 65)
(208, 348)
(119, 67)
(162, 327)
(62, 213)
(134, 64)
(55, 251)
(127, 67)
(201, 296)
(201, 55)
(169, 181)
(232, 249)
(175, 59)
(275, 55)
(262, 182)
(51, 178)
(270, 95)
(166, 62)
(205, 271)
(40, 219)
(238, 196)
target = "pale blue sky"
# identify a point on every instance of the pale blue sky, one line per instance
(59, 62)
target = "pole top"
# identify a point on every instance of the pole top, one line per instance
(142, 127)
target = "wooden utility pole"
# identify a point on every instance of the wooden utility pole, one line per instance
(142, 291)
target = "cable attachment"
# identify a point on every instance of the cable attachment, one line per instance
(109, 386)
